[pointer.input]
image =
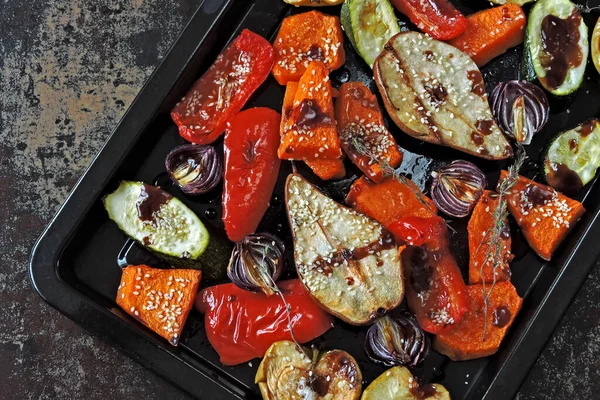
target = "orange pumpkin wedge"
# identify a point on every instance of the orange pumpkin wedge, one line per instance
(479, 235)
(310, 129)
(389, 200)
(360, 123)
(306, 37)
(491, 32)
(161, 299)
(465, 340)
(544, 215)
(325, 169)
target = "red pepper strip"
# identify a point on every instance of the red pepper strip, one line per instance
(438, 18)
(202, 114)
(241, 325)
(251, 169)
(435, 290)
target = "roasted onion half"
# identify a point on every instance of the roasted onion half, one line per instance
(257, 262)
(196, 169)
(397, 341)
(520, 108)
(457, 187)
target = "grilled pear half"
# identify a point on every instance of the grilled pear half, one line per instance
(348, 262)
(398, 384)
(435, 93)
(287, 373)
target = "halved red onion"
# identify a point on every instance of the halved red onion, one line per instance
(196, 169)
(520, 108)
(397, 341)
(257, 262)
(457, 187)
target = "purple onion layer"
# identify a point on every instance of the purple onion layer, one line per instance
(457, 187)
(520, 108)
(397, 341)
(196, 169)
(257, 263)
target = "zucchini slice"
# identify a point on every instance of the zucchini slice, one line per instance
(527, 73)
(596, 45)
(399, 384)
(558, 45)
(373, 23)
(573, 157)
(164, 225)
(346, 24)
(348, 262)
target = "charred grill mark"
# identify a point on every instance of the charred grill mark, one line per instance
(378, 72)
(347, 257)
(427, 120)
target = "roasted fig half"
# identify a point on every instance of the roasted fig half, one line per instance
(398, 384)
(288, 373)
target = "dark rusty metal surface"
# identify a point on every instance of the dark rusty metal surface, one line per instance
(68, 71)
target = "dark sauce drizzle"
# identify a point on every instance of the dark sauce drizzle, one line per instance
(150, 200)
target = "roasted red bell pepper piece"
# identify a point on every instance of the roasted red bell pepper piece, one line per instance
(438, 18)
(251, 169)
(241, 325)
(435, 290)
(203, 113)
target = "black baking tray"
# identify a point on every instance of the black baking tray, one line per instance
(73, 265)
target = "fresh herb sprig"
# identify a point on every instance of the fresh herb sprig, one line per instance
(273, 286)
(494, 234)
(586, 8)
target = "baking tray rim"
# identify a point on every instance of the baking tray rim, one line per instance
(156, 356)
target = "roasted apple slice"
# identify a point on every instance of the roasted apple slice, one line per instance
(435, 93)
(398, 384)
(348, 262)
(286, 373)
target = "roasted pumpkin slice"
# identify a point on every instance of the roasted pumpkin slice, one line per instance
(348, 262)
(161, 299)
(288, 373)
(327, 169)
(310, 130)
(362, 131)
(324, 168)
(399, 384)
(389, 200)
(475, 336)
(481, 255)
(436, 93)
(544, 215)
(307, 37)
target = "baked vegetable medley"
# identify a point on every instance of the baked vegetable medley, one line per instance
(380, 257)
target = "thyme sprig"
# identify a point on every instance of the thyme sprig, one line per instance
(494, 233)
(276, 290)
(389, 171)
(586, 8)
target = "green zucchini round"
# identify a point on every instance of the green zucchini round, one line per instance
(559, 16)
(573, 157)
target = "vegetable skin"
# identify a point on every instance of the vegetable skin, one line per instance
(491, 32)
